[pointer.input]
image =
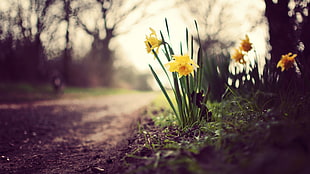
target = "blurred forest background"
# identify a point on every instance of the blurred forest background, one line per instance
(71, 39)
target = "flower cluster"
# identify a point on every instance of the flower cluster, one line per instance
(189, 97)
(287, 61)
(183, 65)
(152, 42)
(239, 53)
(238, 56)
(246, 45)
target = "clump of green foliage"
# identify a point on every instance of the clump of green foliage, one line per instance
(242, 138)
(260, 126)
(185, 78)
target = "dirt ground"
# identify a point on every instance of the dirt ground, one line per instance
(68, 136)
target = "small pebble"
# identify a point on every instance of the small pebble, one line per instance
(97, 170)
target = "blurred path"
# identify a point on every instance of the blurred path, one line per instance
(118, 109)
(66, 136)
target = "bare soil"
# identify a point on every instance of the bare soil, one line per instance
(87, 135)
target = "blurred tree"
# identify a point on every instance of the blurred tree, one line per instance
(288, 22)
(219, 25)
(39, 8)
(302, 26)
(281, 29)
(110, 19)
(35, 30)
(23, 25)
(68, 48)
(212, 19)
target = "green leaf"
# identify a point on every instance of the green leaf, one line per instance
(167, 27)
(196, 25)
(187, 46)
(162, 66)
(181, 50)
(192, 47)
(163, 90)
(166, 52)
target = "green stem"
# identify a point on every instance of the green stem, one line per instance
(164, 91)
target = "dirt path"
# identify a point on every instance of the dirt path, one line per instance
(68, 136)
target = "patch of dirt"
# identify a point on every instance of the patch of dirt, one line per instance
(69, 136)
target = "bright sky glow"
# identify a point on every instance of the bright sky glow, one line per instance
(131, 48)
(135, 52)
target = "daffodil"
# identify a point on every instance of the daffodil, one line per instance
(246, 45)
(238, 56)
(287, 61)
(183, 65)
(152, 42)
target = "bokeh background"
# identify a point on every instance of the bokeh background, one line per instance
(91, 43)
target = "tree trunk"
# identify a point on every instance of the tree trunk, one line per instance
(283, 40)
(281, 29)
(67, 52)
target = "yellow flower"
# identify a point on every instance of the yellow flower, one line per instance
(246, 45)
(152, 42)
(287, 61)
(238, 56)
(181, 64)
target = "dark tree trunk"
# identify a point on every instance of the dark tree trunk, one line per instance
(281, 29)
(305, 39)
(40, 58)
(283, 40)
(103, 59)
(302, 9)
(67, 52)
